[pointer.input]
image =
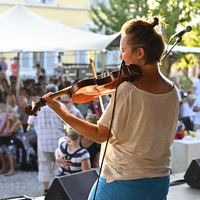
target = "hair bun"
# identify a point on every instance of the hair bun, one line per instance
(155, 22)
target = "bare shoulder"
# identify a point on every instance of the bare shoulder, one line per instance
(167, 84)
(64, 138)
(17, 123)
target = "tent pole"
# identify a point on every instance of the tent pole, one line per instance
(18, 78)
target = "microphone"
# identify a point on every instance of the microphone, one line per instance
(180, 33)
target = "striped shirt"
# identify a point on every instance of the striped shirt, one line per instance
(76, 160)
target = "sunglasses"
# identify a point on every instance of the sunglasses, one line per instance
(65, 101)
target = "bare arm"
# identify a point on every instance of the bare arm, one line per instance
(195, 109)
(85, 165)
(3, 125)
(95, 163)
(79, 115)
(61, 160)
(194, 89)
(97, 133)
(89, 111)
(56, 154)
(11, 128)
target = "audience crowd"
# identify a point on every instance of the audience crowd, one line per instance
(31, 141)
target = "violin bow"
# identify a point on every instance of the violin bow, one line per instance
(95, 76)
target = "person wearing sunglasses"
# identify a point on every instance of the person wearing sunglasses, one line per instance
(71, 108)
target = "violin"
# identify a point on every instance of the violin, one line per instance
(89, 89)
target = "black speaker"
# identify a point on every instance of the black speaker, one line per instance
(192, 175)
(72, 187)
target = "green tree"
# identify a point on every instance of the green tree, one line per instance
(110, 15)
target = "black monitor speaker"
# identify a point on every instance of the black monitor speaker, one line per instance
(72, 187)
(192, 175)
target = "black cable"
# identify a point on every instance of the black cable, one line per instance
(122, 64)
(178, 182)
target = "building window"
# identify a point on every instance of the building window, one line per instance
(41, 1)
(96, 2)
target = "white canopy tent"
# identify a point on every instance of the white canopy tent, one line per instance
(184, 49)
(24, 31)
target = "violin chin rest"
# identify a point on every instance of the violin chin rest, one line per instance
(131, 79)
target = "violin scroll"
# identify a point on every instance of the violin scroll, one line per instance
(33, 111)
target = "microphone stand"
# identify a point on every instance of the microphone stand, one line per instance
(177, 41)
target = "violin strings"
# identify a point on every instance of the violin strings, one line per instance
(106, 73)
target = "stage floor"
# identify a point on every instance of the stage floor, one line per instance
(178, 192)
(183, 191)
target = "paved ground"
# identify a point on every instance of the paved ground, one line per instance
(21, 183)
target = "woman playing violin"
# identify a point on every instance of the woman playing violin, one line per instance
(137, 160)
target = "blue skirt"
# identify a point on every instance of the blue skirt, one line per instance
(138, 189)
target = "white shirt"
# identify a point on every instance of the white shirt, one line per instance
(196, 85)
(187, 111)
(179, 95)
(73, 111)
(48, 127)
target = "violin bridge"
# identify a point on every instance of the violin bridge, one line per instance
(123, 75)
(132, 72)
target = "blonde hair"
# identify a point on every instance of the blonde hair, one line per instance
(13, 99)
(72, 134)
(10, 109)
(92, 117)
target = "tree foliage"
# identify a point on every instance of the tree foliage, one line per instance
(110, 15)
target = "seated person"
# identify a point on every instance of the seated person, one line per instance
(92, 147)
(12, 125)
(2, 114)
(13, 143)
(70, 155)
(186, 109)
(23, 117)
(11, 102)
